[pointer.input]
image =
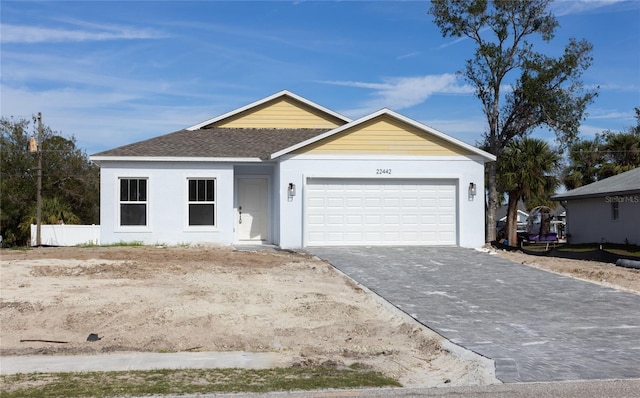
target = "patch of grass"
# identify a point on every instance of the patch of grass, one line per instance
(631, 250)
(18, 248)
(189, 381)
(125, 244)
(540, 247)
(578, 248)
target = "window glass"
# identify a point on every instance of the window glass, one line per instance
(124, 189)
(193, 188)
(201, 214)
(209, 190)
(133, 214)
(142, 190)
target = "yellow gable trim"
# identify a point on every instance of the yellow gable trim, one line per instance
(283, 112)
(384, 135)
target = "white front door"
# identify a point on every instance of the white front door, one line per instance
(252, 215)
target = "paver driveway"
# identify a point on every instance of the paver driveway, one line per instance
(536, 325)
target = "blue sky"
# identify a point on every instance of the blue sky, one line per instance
(115, 72)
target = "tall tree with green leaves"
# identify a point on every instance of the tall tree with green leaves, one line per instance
(607, 154)
(585, 161)
(54, 211)
(520, 89)
(69, 180)
(527, 169)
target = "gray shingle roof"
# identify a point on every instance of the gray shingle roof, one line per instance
(216, 143)
(622, 184)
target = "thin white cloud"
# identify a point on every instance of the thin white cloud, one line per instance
(613, 115)
(612, 87)
(409, 55)
(456, 41)
(561, 8)
(469, 130)
(34, 34)
(404, 92)
(373, 86)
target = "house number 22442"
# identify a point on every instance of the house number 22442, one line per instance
(383, 171)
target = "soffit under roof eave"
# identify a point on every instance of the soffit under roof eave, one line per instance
(99, 159)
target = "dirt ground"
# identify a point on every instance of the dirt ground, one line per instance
(627, 279)
(214, 299)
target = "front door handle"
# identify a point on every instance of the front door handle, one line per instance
(240, 215)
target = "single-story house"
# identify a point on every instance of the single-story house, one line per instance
(288, 172)
(557, 223)
(604, 211)
(521, 217)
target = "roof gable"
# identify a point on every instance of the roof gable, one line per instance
(385, 132)
(281, 110)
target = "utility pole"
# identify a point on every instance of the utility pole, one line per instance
(39, 197)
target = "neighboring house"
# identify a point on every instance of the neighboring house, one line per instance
(521, 218)
(604, 211)
(286, 171)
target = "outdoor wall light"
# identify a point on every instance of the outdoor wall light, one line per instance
(472, 189)
(292, 190)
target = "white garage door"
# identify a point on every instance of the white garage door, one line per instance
(380, 212)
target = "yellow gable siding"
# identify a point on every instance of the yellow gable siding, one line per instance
(384, 135)
(281, 113)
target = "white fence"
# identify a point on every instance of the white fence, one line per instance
(66, 235)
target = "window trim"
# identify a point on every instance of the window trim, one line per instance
(119, 202)
(186, 202)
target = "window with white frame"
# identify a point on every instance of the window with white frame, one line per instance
(133, 201)
(202, 202)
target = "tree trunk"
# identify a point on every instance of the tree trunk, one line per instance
(512, 219)
(492, 204)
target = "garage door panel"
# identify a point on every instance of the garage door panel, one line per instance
(355, 202)
(410, 219)
(411, 236)
(372, 236)
(373, 203)
(410, 202)
(392, 236)
(335, 219)
(372, 219)
(355, 219)
(380, 212)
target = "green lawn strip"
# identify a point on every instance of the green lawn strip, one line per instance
(630, 250)
(189, 381)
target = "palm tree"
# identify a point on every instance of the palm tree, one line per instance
(526, 170)
(585, 161)
(53, 212)
(621, 151)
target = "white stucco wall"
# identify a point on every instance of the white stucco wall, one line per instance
(297, 168)
(167, 206)
(167, 195)
(590, 220)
